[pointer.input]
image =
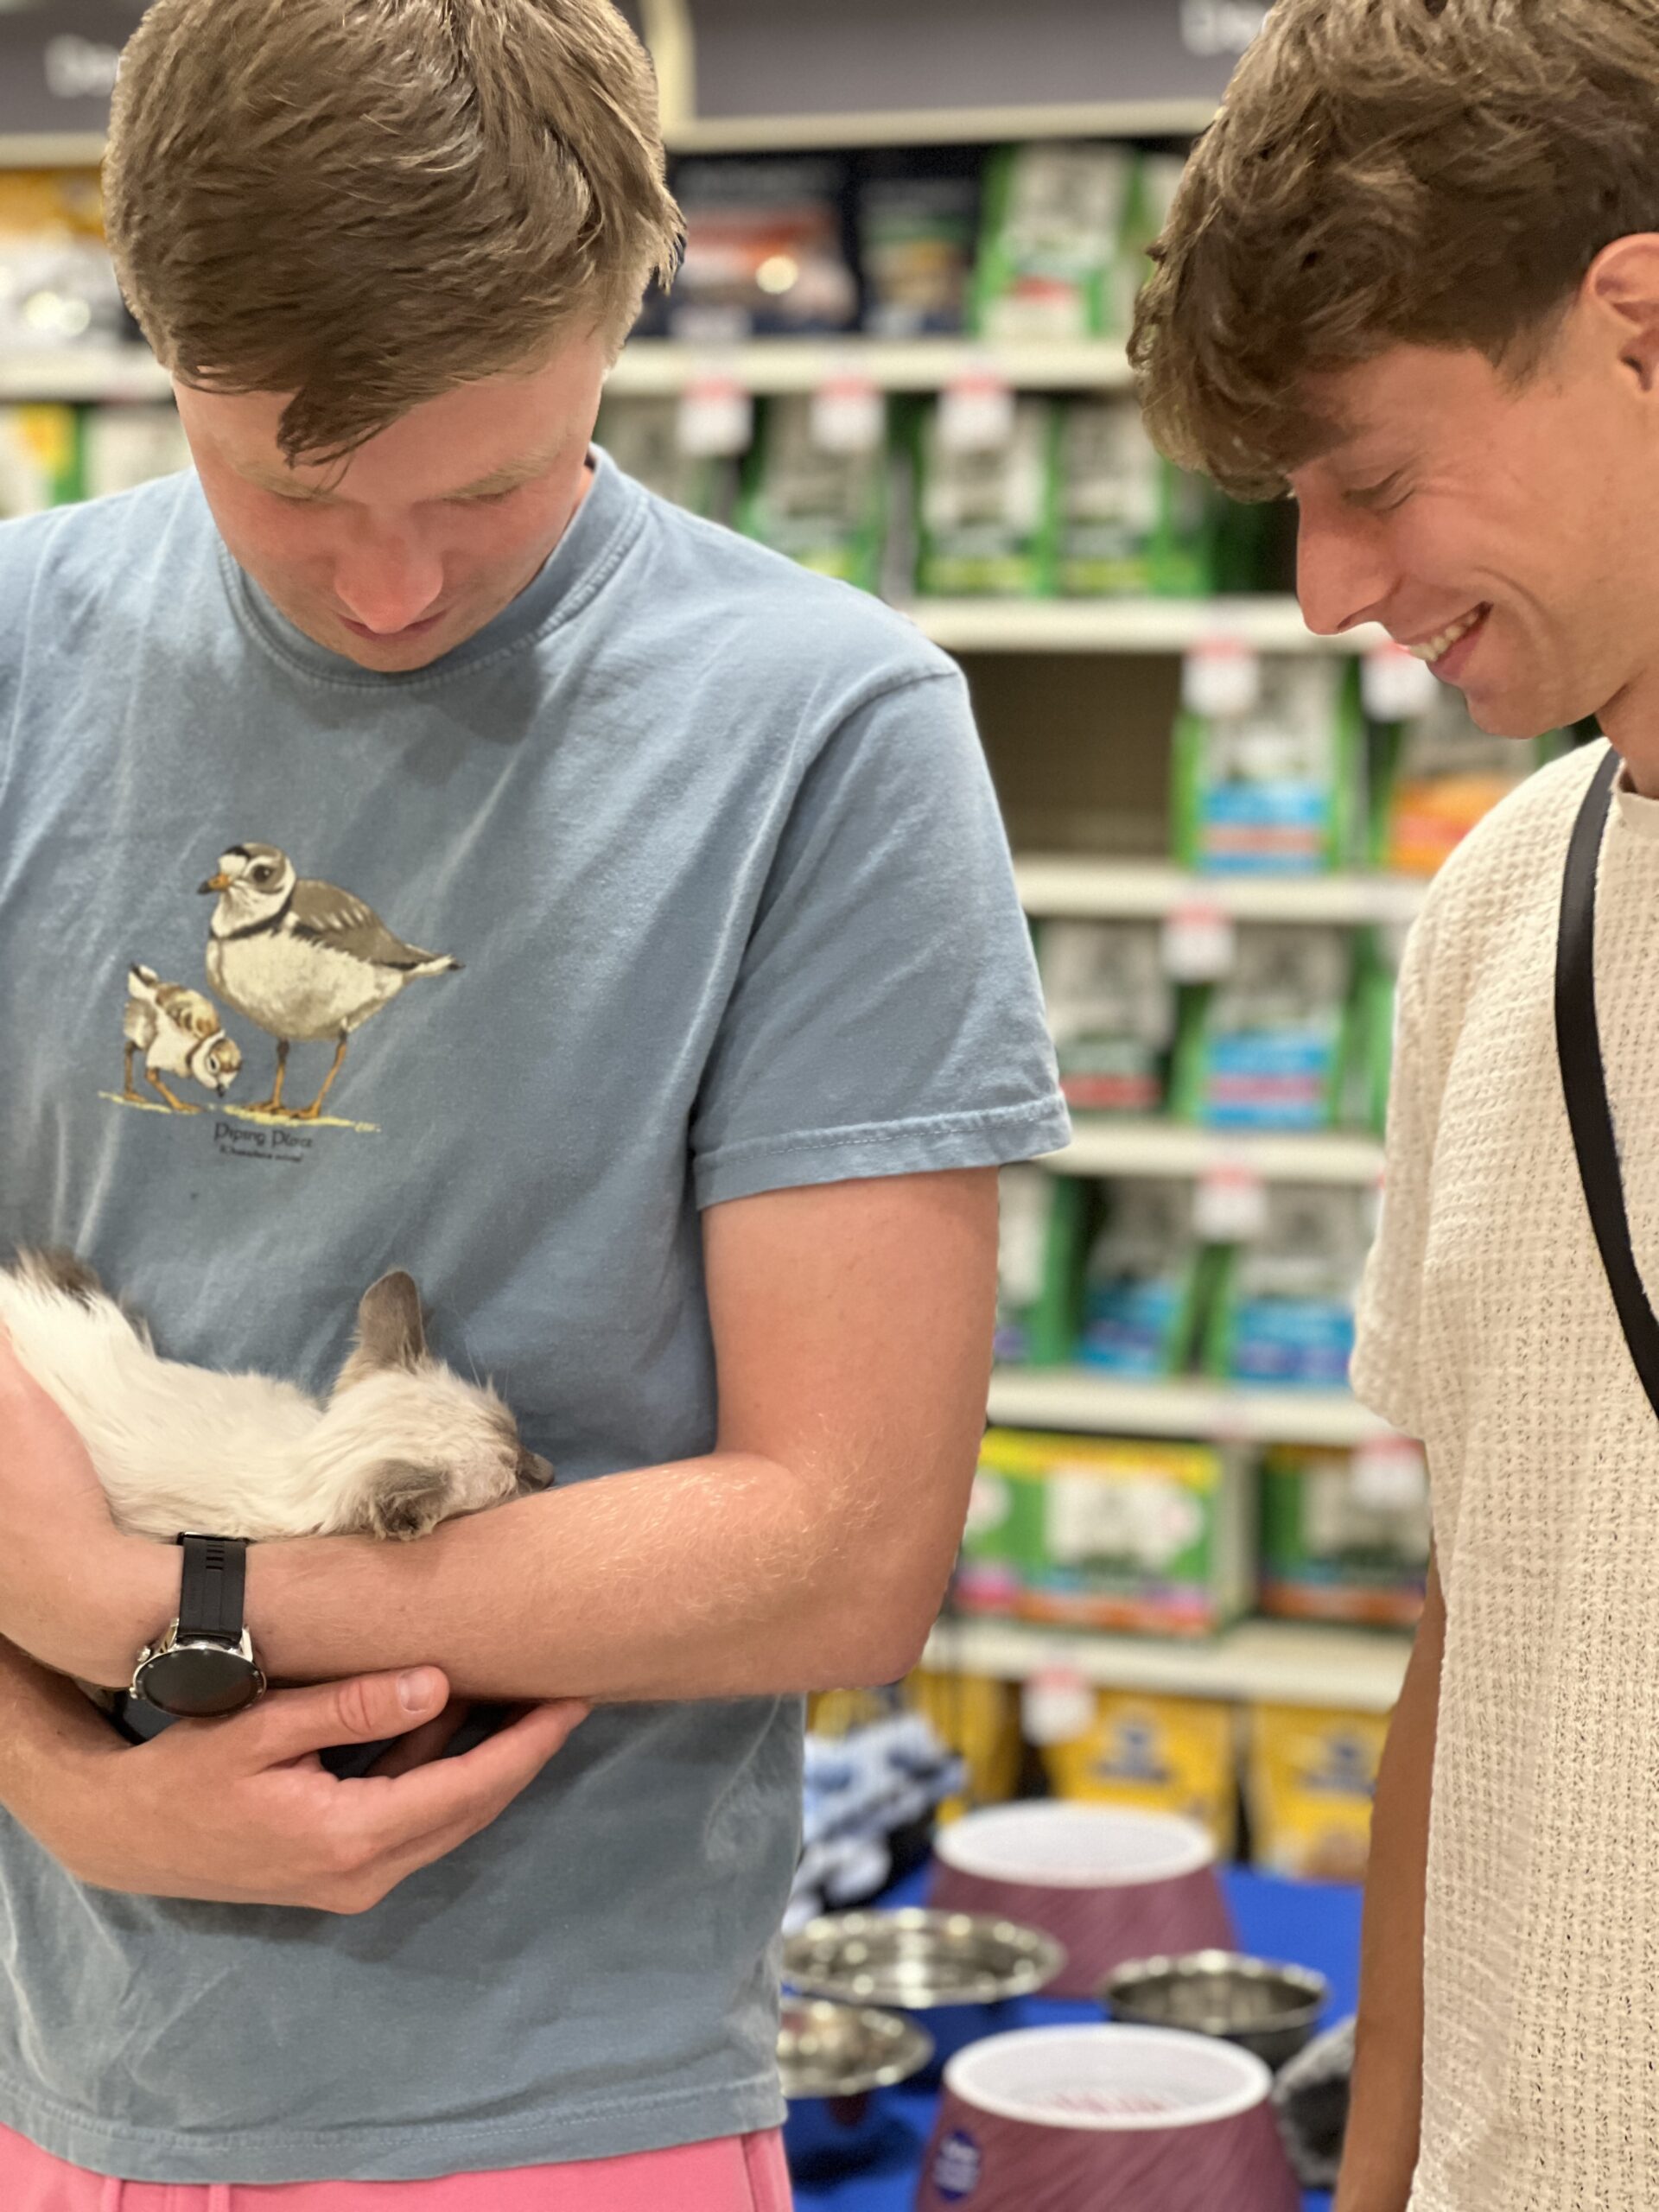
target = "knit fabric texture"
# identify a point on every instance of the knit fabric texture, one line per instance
(1487, 1329)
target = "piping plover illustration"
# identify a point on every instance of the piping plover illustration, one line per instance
(303, 960)
(180, 1033)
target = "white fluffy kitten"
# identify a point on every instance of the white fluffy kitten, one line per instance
(400, 1443)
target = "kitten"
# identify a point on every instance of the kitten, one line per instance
(401, 1443)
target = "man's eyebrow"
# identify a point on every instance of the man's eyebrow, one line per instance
(507, 478)
(1367, 495)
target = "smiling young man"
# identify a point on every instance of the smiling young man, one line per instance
(600, 918)
(1413, 277)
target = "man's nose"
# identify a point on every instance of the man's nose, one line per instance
(1343, 577)
(385, 581)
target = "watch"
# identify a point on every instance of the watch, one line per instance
(204, 1664)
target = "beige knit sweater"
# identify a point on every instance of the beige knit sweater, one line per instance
(1487, 1329)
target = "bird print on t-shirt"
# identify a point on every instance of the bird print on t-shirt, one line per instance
(305, 961)
(180, 1033)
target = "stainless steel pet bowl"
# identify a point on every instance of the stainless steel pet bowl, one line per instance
(917, 1960)
(845, 2050)
(1265, 2007)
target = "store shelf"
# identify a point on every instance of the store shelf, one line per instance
(1104, 1145)
(1270, 624)
(1062, 885)
(939, 126)
(1274, 1662)
(1105, 1405)
(654, 366)
(97, 373)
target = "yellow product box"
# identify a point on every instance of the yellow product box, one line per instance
(1159, 1755)
(979, 1719)
(1310, 1780)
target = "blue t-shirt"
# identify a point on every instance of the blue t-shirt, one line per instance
(713, 845)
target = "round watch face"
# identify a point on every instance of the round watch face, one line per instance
(197, 1679)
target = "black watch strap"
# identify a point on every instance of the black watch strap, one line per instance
(210, 1596)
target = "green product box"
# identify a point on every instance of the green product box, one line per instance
(988, 515)
(642, 436)
(1341, 1542)
(1040, 1259)
(1279, 789)
(1130, 522)
(1274, 1045)
(825, 508)
(1283, 1312)
(1054, 221)
(1135, 1538)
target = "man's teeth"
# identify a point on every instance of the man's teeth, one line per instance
(1437, 648)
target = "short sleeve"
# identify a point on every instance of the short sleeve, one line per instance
(1386, 1370)
(886, 1018)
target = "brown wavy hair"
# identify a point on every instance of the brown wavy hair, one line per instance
(1425, 172)
(366, 203)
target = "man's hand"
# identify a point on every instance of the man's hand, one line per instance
(75, 1592)
(268, 1823)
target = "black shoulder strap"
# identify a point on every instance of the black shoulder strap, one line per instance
(1577, 1039)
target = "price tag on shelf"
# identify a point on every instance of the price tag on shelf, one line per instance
(1230, 1205)
(1200, 944)
(1390, 1475)
(848, 415)
(1221, 676)
(976, 413)
(1396, 686)
(1057, 1706)
(716, 417)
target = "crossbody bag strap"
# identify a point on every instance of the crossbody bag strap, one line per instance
(1584, 1079)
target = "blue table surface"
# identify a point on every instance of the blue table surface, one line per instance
(1311, 1924)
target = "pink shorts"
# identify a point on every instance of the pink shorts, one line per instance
(738, 2173)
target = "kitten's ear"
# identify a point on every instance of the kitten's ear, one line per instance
(403, 1500)
(390, 1331)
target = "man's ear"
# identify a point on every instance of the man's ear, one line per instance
(390, 1331)
(1624, 282)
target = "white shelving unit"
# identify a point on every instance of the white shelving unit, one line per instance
(1270, 624)
(95, 374)
(1078, 886)
(656, 366)
(1107, 1405)
(1103, 1146)
(1274, 1663)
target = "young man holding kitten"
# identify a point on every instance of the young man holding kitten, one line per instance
(612, 925)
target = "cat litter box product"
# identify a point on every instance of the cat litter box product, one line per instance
(1270, 1047)
(1159, 1754)
(1129, 521)
(1277, 789)
(642, 436)
(1441, 774)
(1039, 1262)
(765, 254)
(1339, 1544)
(1310, 1782)
(1077, 1532)
(1111, 1011)
(1138, 2120)
(1144, 1280)
(986, 513)
(1106, 1884)
(40, 458)
(1054, 222)
(915, 238)
(1284, 1312)
(826, 510)
(124, 446)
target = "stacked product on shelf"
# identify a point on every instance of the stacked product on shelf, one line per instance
(1040, 1251)
(1111, 1011)
(50, 454)
(824, 505)
(1310, 1780)
(765, 254)
(1281, 1308)
(643, 436)
(1342, 1541)
(58, 293)
(1080, 1531)
(1059, 219)
(1272, 1045)
(917, 222)
(987, 508)
(40, 458)
(1130, 524)
(1157, 1755)
(1145, 1280)
(1274, 785)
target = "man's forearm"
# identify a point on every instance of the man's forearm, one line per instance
(49, 1728)
(718, 1577)
(1386, 2106)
